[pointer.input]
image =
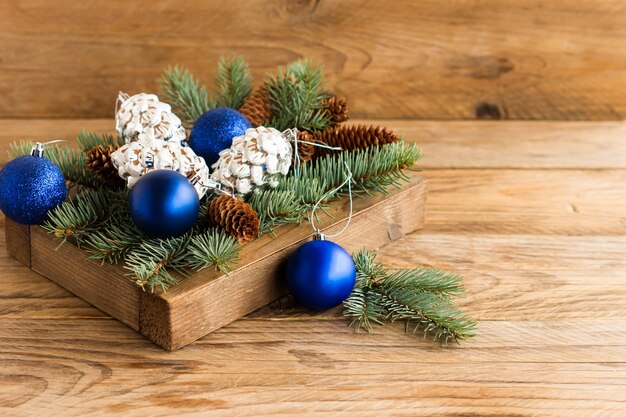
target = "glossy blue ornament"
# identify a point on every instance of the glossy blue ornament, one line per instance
(214, 131)
(30, 186)
(320, 274)
(164, 204)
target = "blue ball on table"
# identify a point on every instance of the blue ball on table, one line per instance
(30, 186)
(214, 131)
(164, 204)
(320, 274)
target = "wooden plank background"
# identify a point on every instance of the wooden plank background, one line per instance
(427, 59)
(539, 235)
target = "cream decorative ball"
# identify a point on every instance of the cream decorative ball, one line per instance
(143, 117)
(136, 159)
(259, 157)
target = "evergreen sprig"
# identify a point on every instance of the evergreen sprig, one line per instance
(87, 140)
(234, 82)
(422, 298)
(213, 248)
(185, 94)
(277, 207)
(112, 242)
(375, 169)
(296, 95)
(79, 216)
(152, 260)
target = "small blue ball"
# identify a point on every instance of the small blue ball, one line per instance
(320, 274)
(214, 131)
(164, 204)
(30, 187)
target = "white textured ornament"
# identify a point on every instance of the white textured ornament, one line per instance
(261, 156)
(136, 159)
(143, 117)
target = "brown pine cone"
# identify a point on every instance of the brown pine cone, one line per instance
(257, 108)
(235, 216)
(349, 138)
(337, 109)
(305, 150)
(99, 162)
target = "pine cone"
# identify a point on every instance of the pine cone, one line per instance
(337, 109)
(349, 138)
(99, 162)
(235, 216)
(257, 108)
(305, 150)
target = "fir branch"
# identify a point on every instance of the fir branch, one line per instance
(364, 307)
(277, 207)
(234, 82)
(70, 161)
(79, 216)
(149, 261)
(213, 248)
(422, 298)
(87, 140)
(296, 96)
(368, 270)
(185, 94)
(374, 169)
(445, 284)
(424, 310)
(112, 242)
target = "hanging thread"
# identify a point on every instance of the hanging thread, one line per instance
(292, 134)
(327, 195)
(39, 147)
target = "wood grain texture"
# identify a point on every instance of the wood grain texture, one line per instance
(431, 60)
(547, 284)
(105, 286)
(18, 242)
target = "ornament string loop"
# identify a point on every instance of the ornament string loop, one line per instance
(39, 147)
(292, 135)
(348, 181)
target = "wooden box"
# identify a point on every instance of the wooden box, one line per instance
(208, 300)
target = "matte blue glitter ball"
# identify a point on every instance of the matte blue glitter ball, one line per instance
(29, 187)
(320, 274)
(164, 204)
(214, 131)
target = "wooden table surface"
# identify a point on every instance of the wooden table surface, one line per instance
(533, 214)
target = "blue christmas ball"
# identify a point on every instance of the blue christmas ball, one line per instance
(30, 186)
(164, 204)
(320, 274)
(214, 132)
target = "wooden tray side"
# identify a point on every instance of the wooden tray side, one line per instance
(17, 238)
(105, 286)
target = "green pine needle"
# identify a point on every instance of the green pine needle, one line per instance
(277, 207)
(422, 298)
(151, 261)
(234, 82)
(79, 216)
(213, 248)
(296, 95)
(375, 169)
(87, 140)
(112, 242)
(185, 94)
